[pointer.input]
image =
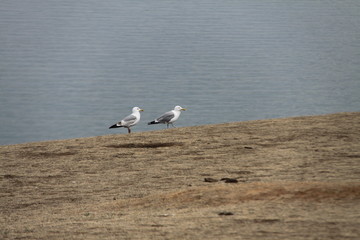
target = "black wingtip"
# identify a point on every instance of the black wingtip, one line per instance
(114, 126)
(153, 122)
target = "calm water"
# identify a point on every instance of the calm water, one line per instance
(70, 69)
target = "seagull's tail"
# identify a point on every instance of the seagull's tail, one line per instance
(115, 126)
(153, 122)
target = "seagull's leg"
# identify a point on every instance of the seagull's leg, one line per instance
(167, 125)
(129, 130)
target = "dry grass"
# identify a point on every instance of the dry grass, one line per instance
(297, 178)
(222, 195)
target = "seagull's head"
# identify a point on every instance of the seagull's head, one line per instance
(178, 108)
(137, 109)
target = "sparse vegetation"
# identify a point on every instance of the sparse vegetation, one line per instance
(293, 178)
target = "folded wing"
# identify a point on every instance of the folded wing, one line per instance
(166, 117)
(128, 121)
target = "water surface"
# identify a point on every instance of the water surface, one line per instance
(72, 68)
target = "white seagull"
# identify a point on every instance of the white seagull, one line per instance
(169, 117)
(130, 120)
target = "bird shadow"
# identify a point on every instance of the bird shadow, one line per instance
(145, 145)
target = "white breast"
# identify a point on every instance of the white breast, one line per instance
(176, 115)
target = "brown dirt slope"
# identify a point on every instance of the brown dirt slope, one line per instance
(291, 178)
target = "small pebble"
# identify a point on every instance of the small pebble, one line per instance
(210, 180)
(229, 180)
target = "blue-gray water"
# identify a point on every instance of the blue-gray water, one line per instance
(71, 69)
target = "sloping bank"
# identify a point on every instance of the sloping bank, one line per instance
(291, 178)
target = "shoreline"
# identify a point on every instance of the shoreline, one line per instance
(195, 126)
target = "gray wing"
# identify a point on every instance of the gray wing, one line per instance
(129, 119)
(166, 117)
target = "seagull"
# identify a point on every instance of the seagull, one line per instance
(130, 120)
(169, 117)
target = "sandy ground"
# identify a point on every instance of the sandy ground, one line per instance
(293, 178)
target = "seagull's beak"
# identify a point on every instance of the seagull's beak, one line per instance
(183, 109)
(141, 110)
